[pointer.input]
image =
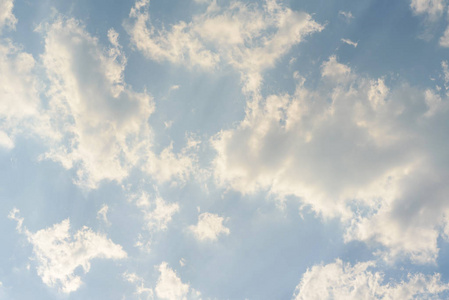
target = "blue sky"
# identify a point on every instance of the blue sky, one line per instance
(212, 149)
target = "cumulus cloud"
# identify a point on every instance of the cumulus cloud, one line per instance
(58, 253)
(209, 227)
(251, 38)
(342, 281)
(101, 122)
(352, 148)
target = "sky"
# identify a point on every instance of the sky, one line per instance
(214, 149)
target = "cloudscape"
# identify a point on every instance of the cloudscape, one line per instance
(218, 149)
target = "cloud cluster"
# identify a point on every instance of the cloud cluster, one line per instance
(351, 148)
(58, 253)
(342, 281)
(249, 37)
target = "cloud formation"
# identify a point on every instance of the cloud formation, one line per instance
(352, 148)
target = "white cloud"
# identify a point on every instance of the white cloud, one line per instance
(431, 8)
(7, 18)
(101, 123)
(343, 281)
(58, 253)
(209, 227)
(349, 42)
(251, 38)
(354, 149)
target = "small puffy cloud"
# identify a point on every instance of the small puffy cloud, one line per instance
(352, 148)
(251, 38)
(342, 281)
(7, 17)
(58, 253)
(209, 227)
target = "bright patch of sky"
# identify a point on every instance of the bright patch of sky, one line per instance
(210, 149)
